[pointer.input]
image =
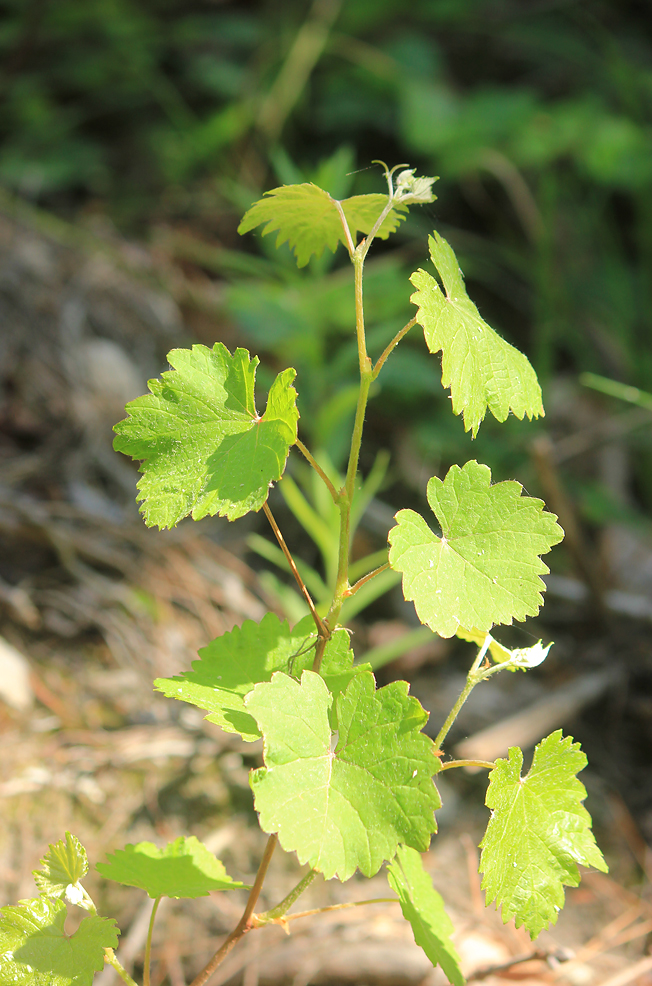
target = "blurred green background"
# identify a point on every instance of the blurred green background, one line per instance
(165, 119)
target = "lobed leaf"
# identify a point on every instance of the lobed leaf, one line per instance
(232, 664)
(205, 450)
(307, 218)
(423, 907)
(66, 863)
(350, 807)
(539, 831)
(481, 369)
(485, 568)
(184, 868)
(36, 951)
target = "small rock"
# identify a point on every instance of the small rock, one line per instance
(15, 688)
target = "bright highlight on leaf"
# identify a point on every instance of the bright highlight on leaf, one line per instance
(66, 863)
(184, 868)
(232, 664)
(485, 568)
(538, 833)
(204, 448)
(423, 907)
(349, 808)
(481, 369)
(35, 950)
(307, 218)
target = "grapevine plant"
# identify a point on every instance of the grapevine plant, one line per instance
(348, 780)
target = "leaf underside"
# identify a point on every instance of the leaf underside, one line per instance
(485, 569)
(203, 447)
(351, 807)
(307, 218)
(184, 868)
(480, 368)
(423, 907)
(66, 863)
(35, 950)
(538, 833)
(231, 665)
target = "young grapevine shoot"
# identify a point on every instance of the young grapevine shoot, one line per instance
(348, 775)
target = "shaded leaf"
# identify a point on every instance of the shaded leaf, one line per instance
(232, 664)
(485, 568)
(184, 868)
(205, 450)
(348, 808)
(539, 831)
(307, 218)
(423, 907)
(35, 950)
(66, 863)
(481, 369)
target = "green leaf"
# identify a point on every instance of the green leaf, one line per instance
(36, 951)
(307, 218)
(348, 808)
(539, 831)
(204, 448)
(423, 907)
(184, 868)
(485, 568)
(66, 863)
(481, 369)
(232, 664)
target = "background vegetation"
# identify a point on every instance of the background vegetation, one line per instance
(165, 119)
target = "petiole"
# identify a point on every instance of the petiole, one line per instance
(318, 469)
(358, 585)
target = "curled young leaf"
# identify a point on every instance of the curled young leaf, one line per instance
(411, 191)
(64, 865)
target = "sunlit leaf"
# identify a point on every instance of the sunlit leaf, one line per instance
(485, 568)
(349, 807)
(184, 868)
(481, 369)
(307, 218)
(205, 449)
(232, 664)
(36, 951)
(538, 833)
(423, 907)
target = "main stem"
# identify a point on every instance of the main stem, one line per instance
(348, 490)
(245, 922)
